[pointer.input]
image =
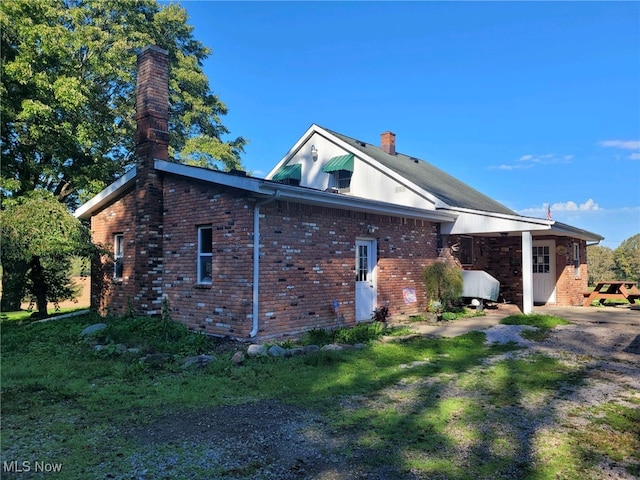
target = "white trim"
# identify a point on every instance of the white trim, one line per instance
(527, 273)
(105, 196)
(303, 195)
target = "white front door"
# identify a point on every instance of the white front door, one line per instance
(366, 287)
(544, 271)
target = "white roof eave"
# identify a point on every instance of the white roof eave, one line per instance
(85, 211)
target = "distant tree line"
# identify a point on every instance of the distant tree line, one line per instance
(623, 263)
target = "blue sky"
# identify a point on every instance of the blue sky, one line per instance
(530, 103)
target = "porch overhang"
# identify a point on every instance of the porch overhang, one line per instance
(471, 222)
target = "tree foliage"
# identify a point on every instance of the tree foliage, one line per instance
(39, 237)
(623, 263)
(627, 259)
(68, 93)
(600, 264)
(443, 282)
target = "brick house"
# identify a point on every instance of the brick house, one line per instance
(337, 228)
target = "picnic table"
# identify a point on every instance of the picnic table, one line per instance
(613, 290)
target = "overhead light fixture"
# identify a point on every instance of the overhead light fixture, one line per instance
(314, 153)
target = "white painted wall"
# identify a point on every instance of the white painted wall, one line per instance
(367, 181)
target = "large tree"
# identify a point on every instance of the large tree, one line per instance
(39, 237)
(68, 86)
(67, 108)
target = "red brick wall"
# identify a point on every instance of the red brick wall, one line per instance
(502, 258)
(225, 307)
(109, 295)
(307, 261)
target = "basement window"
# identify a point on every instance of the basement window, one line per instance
(205, 254)
(118, 256)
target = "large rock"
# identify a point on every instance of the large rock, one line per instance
(237, 358)
(256, 350)
(310, 349)
(332, 347)
(277, 351)
(156, 359)
(198, 360)
(294, 352)
(92, 329)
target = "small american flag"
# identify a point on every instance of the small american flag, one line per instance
(549, 211)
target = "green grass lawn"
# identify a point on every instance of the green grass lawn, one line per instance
(401, 402)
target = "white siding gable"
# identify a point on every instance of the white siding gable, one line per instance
(370, 179)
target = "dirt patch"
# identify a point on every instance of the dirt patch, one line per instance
(269, 439)
(266, 439)
(82, 300)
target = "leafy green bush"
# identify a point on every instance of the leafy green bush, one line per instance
(443, 282)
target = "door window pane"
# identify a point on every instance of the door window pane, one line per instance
(362, 267)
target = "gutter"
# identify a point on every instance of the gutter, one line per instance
(256, 259)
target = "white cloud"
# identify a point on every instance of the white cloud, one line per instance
(560, 208)
(511, 167)
(571, 206)
(529, 161)
(624, 144)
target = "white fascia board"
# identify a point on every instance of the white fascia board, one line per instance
(265, 188)
(569, 231)
(85, 211)
(481, 222)
(213, 176)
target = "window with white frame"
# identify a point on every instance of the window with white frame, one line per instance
(205, 254)
(576, 260)
(118, 255)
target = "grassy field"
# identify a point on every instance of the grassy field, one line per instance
(422, 408)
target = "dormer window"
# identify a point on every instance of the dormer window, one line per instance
(289, 174)
(341, 170)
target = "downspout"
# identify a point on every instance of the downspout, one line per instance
(256, 259)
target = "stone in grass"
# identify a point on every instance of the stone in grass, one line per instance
(332, 347)
(277, 351)
(200, 361)
(237, 358)
(156, 359)
(310, 349)
(294, 352)
(91, 329)
(256, 350)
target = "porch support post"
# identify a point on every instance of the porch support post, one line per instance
(527, 273)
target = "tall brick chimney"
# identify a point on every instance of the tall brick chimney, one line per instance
(388, 142)
(152, 142)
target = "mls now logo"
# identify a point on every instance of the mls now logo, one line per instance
(23, 467)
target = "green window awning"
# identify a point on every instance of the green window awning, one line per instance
(293, 172)
(342, 162)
